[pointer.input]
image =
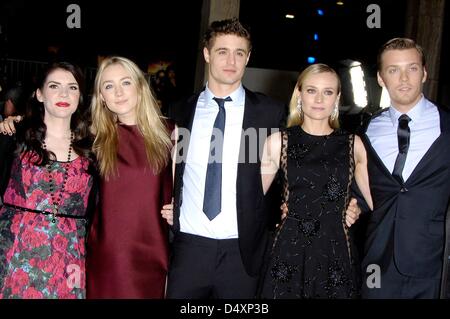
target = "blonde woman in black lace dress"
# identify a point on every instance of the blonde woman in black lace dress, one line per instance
(312, 255)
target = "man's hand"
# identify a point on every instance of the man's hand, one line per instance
(7, 125)
(284, 211)
(352, 213)
(167, 213)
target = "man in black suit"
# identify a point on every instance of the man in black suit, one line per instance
(220, 218)
(409, 171)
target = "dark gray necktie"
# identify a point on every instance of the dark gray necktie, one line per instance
(403, 134)
(212, 201)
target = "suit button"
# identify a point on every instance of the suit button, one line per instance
(403, 190)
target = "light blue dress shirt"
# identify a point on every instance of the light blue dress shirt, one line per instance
(424, 127)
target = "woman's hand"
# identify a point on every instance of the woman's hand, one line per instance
(7, 125)
(167, 213)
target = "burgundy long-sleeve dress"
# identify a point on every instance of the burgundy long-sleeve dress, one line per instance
(127, 247)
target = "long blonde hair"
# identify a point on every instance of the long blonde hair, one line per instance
(148, 119)
(296, 118)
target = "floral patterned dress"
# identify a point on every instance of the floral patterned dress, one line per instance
(42, 256)
(313, 254)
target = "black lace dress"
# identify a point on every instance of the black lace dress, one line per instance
(312, 254)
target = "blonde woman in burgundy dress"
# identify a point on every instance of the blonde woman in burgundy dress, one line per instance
(128, 241)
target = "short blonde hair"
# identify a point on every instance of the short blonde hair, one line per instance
(399, 44)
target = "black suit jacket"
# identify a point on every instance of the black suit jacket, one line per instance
(408, 220)
(261, 112)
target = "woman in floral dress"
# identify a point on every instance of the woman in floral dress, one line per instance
(46, 181)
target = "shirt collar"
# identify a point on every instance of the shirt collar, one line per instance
(237, 96)
(414, 114)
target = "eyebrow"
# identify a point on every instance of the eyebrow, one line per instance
(408, 64)
(315, 87)
(124, 78)
(218, 49)
(56, 82)
(227, 49)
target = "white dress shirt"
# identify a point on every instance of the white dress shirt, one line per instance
(425, 129)
(192, 218)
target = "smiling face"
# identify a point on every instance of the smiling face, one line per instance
(119, 91)
(60, 94)
(403, 75)
(227, 60)
(319, 94)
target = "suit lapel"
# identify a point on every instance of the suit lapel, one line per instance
(184, 122)
(444, 116)
(445, 282)
(376, 159)
(188, 114)
(370, 150)
(250, 116)
(436, 150)
(250, 120)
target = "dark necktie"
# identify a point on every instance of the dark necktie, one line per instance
(403, 134)
(212, 201)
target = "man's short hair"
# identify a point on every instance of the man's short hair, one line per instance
(223, 27)
(399, 44)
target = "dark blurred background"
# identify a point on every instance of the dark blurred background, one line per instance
(161, 34)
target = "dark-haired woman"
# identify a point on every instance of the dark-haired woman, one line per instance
(46, 182)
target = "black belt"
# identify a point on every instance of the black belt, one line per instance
(44, 212)
(205, 241)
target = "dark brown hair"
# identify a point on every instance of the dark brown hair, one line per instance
(223, 27)
(32, 130)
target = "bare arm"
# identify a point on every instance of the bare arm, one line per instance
(361, 174)
(270, 161)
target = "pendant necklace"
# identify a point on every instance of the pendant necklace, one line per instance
(56, 200)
